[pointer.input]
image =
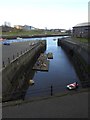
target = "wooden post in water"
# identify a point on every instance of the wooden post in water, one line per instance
(51, 90)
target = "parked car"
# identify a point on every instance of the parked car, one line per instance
(6, 43)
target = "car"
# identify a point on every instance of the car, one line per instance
(6, 43)
(72, 86)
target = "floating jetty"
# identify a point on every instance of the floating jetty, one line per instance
(50, 55)
(42, 64)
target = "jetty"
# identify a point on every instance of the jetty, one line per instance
(42, 64)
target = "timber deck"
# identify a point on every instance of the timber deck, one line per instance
(42, 64)
(50, 55)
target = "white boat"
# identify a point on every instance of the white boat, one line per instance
(72, 86)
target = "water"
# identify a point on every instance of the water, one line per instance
(61, 72)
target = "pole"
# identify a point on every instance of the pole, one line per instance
(51, 90)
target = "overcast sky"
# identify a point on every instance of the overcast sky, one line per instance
(44, 13)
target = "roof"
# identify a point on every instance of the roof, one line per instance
(83, 24)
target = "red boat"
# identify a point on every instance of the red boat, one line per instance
(72, 86)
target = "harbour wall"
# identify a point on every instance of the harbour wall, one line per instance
(33, 36)
(14, 74)
(79, 57)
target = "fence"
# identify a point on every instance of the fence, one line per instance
(18, 54)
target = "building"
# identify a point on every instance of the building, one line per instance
(82, 30)
(25, 27)
(20, 27)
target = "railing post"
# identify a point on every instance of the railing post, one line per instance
(3, 64)
(17, 54)
(13, 57)
(8, 60)
(21, 52)
(51, 90)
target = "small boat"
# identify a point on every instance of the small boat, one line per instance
(31, 82)
(72, 86)
(54, 39)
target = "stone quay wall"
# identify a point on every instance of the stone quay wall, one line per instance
(13, 73)
(79, 57)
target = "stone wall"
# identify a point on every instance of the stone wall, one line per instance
(79, 57)
(13, 76)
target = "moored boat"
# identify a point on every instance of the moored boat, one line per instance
(72, 86)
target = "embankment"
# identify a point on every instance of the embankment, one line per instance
(79, 57)
(14, 75)
(33, 36)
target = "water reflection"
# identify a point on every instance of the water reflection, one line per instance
(61, 72)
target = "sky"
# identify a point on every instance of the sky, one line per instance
(50, 14)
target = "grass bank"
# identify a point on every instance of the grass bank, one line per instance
(31, 32)
(83, 40)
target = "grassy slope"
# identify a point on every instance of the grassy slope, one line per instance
(32, 32)
(84, 40)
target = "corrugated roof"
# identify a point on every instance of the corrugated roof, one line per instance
(83, 24)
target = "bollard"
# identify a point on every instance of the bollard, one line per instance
(51, 90)
(8, 60)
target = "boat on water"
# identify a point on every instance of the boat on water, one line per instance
(72, 86)
(54, 39)
(31, 82)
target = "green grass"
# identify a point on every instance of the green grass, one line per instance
(84, 40)
(31, 32)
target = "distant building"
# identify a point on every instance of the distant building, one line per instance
(58, 30)
(18, 27)
(25, 27)
(82, 30)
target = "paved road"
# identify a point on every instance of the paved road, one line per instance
(69, 106)
(8, 51)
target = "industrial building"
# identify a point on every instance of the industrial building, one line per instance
(82, 30)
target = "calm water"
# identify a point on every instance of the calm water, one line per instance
(61, 72)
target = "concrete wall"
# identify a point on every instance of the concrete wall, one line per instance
(79, 57)
(13, 74)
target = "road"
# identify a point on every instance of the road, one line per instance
(11, 51)
(68, 106)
